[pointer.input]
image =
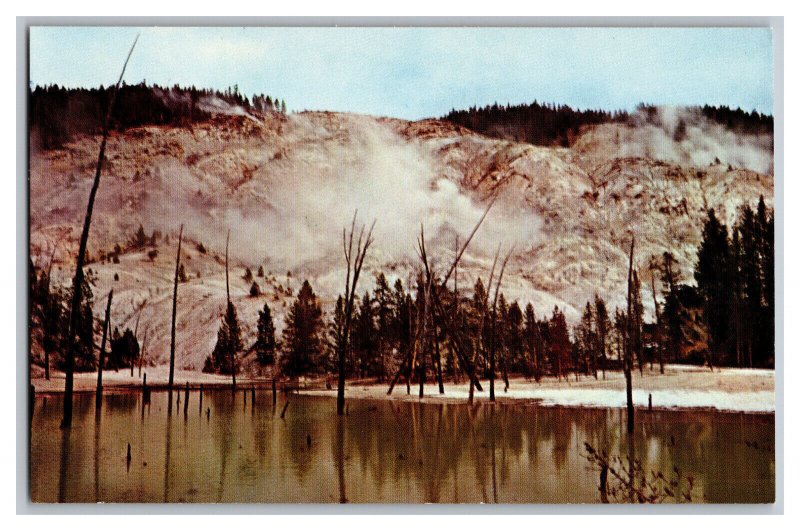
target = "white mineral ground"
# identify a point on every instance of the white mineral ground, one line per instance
(680, 387)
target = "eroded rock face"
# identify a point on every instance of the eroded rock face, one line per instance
(286, 186)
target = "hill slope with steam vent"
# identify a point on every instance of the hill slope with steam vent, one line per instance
(286, 186)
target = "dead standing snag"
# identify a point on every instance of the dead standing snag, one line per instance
(77, 281)
(174, 310)
(628, 364)
(99, 390)
(354, 263)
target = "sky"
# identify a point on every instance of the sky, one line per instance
(415, 73)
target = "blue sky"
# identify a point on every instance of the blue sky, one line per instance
(421, 72)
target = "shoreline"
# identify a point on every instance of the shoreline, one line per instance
(681, 387)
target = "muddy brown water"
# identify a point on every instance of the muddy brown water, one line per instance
(381, 452)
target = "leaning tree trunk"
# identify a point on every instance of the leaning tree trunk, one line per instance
(99, 390)
(77, 282)
(174, 312)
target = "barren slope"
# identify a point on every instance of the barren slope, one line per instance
(286, 186)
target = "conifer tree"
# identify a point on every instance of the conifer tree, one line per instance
(602, 330)
(265, 337)
(712, 274)
(301, 337)
(560, 344)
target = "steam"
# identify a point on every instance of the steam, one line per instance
(308, 183)
(683, 135)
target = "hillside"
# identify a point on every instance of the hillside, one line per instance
(286, 186)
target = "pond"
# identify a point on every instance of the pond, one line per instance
(232, 451)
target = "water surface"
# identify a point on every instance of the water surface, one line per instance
(384, 452)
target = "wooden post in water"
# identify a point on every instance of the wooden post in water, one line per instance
(77, 282)
(274, 393)
(99, 390)
(252, 395)
(201, 398)
(174, 310)
(650, 402)
(186, 400)
(145, 390)
(285, 407)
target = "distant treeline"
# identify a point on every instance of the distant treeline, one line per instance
(57, 114)
(535, 123)
(558, 125)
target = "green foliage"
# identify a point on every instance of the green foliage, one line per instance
(302, 336)
(224, 358)
(124, 350)
(265, 346)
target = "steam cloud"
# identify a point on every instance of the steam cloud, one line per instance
(683, 135)
(308, 184)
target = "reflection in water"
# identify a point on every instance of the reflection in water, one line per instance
(338, 452)
(382, 452)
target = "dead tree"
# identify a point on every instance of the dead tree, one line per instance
(228, 293)
(50, 302)
(174, 311)
(142, 352)
(450, 329)
(354, 263)
(77, 281)
(136, 335)
(99, 390)
(481, 346)
(658, 340)
(492, 343)
(628, 364)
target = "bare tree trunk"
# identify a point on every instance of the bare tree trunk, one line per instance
(659, 346)
(142, 352)
(136, 335)
(99, 390)
(174, 311)
(438, 361)
(77, 282)
(354, 264)
(628, 352)
(231, 354)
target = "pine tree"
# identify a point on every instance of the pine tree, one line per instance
(586, 341)
(301, 337)
(124, 349)
(384, 311)
(712, 274)
(265, 337)
(602, 330)
(673, 309)
(514, 342)
(533, 343)
(637, 322)
(83, 340)
(560, 344)
(365, 337)
(229, 343)
(334, 339)
(139, 239)
(766, 222)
